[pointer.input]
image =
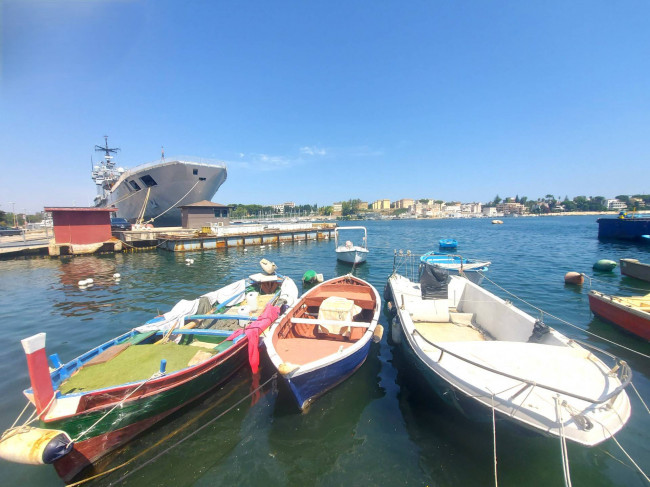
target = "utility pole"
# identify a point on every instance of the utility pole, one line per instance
(13, 211)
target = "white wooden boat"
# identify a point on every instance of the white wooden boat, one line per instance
(348, 252)
(475, 349)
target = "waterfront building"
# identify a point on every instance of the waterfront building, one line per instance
(511, 208)
(203, 213)
(471, 209)
(381, 205)
(489, 211)
(280, 208)
(404, 203)
(615, 204)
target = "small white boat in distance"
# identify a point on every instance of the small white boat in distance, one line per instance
(348, 252)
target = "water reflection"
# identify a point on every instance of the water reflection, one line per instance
(308, 445)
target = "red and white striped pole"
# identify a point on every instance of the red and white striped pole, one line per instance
(39, 370)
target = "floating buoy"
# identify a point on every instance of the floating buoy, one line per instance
(245, 250)
(116, 275)
(35, 446)
(82, 283)
(574, 278)
(89, 281)
(605, 265)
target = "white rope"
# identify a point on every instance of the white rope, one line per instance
(494, 443)
(172, 206)
(631, 460)
(155, 375)
(623, 450)
(565, 453)
(620, 285)
(640, 398)
(564, 321)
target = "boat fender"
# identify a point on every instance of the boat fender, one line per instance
(286, 368)
(539, 330)
(395, 334)
(379, 332)
(35, 446)
(388, 295)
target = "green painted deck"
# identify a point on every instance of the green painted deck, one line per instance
(136, 363)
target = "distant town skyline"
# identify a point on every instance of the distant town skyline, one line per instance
(315, 102)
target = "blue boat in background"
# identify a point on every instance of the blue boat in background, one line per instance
(472, 269)
(448, 243)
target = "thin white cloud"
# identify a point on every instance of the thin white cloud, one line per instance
(313, 151)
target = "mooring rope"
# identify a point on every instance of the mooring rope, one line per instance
(494, 443)
(640, 398)
(623, 286)
(563, 447)
(119, 404)
(174, 205)
(151, 460)
(636, 465)
(564, 321)
(9, 432)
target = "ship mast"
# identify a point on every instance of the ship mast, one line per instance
(107, 152)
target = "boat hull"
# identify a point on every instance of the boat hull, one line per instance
(633, 321)
(352, 256)
(636, 269)
(176, 184)
(623, 228)
(141, 411)
(307, 387)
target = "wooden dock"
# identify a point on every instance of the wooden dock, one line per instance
(245, 236)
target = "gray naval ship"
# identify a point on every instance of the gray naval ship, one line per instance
(152, 192)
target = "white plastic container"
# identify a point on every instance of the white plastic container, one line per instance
(251, 301)
(243, 311)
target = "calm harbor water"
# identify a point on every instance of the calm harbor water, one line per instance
(379, 427)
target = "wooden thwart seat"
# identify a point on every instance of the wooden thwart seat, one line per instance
(309, 321)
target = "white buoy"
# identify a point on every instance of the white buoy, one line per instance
(116, 275)
(82, 283)
(89, 281)
(245, 250)
(262, 246)
(191, 261)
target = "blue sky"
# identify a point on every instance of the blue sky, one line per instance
(321, 101)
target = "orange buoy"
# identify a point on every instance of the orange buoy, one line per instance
(574, 278)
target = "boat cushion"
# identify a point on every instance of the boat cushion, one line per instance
(336, 308)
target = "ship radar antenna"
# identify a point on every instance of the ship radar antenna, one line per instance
(108, 151)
